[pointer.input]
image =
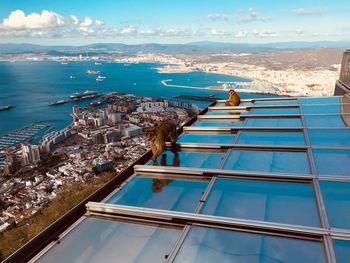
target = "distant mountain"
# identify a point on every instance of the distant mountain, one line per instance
(194, 47)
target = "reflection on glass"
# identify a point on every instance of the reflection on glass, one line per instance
(339, 138)
(193, 159)
(204, 245)
(219, 124)
(290, 203)
(337, 199)
(276, 102)
(322, 100)
(342, 250)
(255, 111)
(99, 240)
(268, 161)
(324, 121)
(207, 138)
(221, 113)
(321, 109)
(271, 138)
(332, 162)
(177, 195)
(273, 122)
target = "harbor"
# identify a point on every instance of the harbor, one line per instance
(77, 97)
(19, 136)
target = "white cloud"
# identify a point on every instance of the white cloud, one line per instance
(98, 22)
(242, 34)
(264, 33)
(128, 30)
(87, 22)
(310, 12)
(75, 20)
(251, 16)
(18, 20)
(218, 32)
(220, 17)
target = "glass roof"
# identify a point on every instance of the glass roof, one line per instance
(270, 189)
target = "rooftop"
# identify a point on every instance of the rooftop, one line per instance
(267, 181)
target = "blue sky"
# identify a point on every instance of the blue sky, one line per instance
(143, 21)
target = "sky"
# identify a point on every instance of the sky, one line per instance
(78, 22)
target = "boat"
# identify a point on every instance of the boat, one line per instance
(83, 95)
(72, 77)
(57, 102)
(100, 78)
(97, 63)
(93, 72)
(6, 107)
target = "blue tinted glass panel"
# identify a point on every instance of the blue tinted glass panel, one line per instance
(332, 162)
(255, 111)
(204, 245)
(324, 121)
(290, 203)
(268, 161)
(273, 122)
(207, 138)
(321, 109)
(98, 240)
(337, 199)
(329, 137)
(221, 113)
(323, 100)
(177, 195)
(277, 102)
(272, 138)
(219, 124)
(342, 250)
(191, 159)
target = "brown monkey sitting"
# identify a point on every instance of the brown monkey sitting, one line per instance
(158, 135)
(233, 99)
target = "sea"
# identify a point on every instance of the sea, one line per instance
(31, 85)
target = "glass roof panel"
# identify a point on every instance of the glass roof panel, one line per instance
(271, 138)
(207, 138)
(273, 122)
(276, 102)
(219, 124)
(320, 100)
(325, 121)
(332, 162)
(342, 250)
(204, 245)
(259, 111)
(336, 196)
(340, 138)
(221, 113)
(99, 240)
(281, 202)
(166, 194)
(322, 109)
(191, 159)
(268, 161)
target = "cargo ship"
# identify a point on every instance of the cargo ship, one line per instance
(57, 102)
(83, 95)
(6, 107)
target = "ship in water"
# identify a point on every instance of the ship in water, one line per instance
(6, 107)
(83, 95)
(57, 102)
(93, 72)
(100, 78)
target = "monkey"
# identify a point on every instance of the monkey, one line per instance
(233, 99)
(157, 137)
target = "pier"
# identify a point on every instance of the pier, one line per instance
(165, 83)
